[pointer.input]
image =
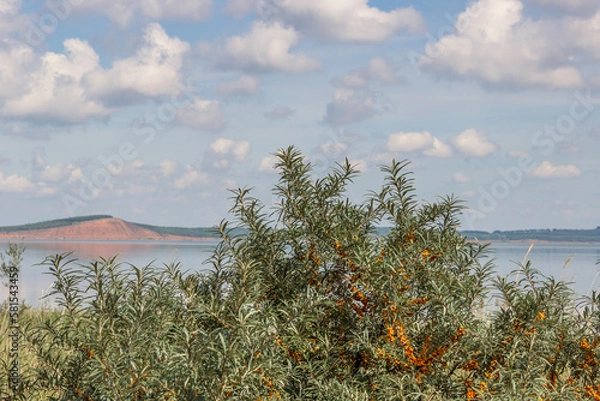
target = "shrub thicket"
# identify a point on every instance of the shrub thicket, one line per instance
(310, 304)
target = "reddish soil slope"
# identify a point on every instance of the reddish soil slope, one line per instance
(103, 229)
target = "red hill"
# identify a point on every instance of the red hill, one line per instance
(101, 229)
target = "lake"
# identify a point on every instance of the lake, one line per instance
(550, 259)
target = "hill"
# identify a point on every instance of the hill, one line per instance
(106, 227)
(101, 227)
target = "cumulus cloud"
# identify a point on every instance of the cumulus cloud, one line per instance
(438, 149)
(377, 69)
(154, 70)
(239, 149)
(422, 142)
(10, 18)
(73, 87)
(360, 164)
(46, 191)
(350, 106)
(191, 178)
(267, 164)
(51, 89)
(266, 47)
(14, 183)
(473, 143)
(202, 114)
(333, 148)
(10, 7)
(280, 113)
(497, 44)
(337, 20)
(55, 172)
(548, 170)
(225, 150)
(245, 85)
(167, 167)
(461, 178)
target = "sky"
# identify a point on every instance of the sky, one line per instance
(152, 110)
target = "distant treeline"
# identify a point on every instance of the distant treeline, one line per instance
(555, 235)
(54, 223)
(196, 232)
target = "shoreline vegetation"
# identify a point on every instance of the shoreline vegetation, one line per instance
(590, 236)
(309, 303)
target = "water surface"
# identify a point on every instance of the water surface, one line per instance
(570, 262)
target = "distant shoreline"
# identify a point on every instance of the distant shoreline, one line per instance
(534, 241)
(66, 240)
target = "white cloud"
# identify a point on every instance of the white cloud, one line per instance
(154, 70)
(461, 178)
(56, 172)
(438, 149)
(10, 7)
(409, 141)
(76, 175)
(267, 164)
(380, 69)
(14, 183)
(376, 69)
(361, 165)
(350, 106)
(333, 148)
(244, 85)
(238, 149)
(167, 167)
(10, 18)
(73, 87)
(418, 141)
(280, 113)
(473, 143)
(51, 88)
(47, 191)
(547, 170)
(202, 114)
(497, 44)
(266, 47)
(340, 20)
(191, 178)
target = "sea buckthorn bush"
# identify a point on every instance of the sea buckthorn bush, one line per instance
(309, 301)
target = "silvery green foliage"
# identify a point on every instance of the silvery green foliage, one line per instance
(310, 301)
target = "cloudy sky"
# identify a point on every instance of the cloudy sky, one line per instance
(150, 110)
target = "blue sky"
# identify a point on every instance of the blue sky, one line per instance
(150, 110)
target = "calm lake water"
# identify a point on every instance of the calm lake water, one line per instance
(550, 259)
